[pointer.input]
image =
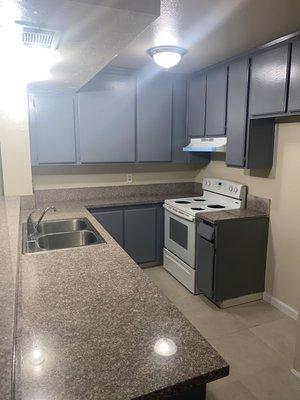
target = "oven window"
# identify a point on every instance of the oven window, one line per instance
(178, 232)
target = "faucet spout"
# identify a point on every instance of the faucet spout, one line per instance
(44, 213)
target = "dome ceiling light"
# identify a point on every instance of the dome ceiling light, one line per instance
(166, 56)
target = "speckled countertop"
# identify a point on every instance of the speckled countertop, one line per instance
(88, 321)
(241, 213)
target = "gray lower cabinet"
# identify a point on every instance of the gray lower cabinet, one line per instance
(106, 120)
(112, 220)
(52, 128)
(232, 262)
(196, 106)
(216, 100)
(294, 92)
(237, 104)
(268, 84)
(154, 119)
(138, 229)
(140, 234)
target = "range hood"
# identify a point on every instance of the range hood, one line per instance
(213, 145)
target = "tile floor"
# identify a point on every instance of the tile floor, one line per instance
(256, 339)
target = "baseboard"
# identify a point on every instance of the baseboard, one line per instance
(280, 305)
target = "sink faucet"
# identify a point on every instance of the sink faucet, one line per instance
(31, 227)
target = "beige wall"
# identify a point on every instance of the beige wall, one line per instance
(282, 186)
(109, 175)
(297, 351)
(15, 153)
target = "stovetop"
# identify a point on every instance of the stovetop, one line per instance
(207, 203)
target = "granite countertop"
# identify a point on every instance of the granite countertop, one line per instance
(241, 213)
(88, 321)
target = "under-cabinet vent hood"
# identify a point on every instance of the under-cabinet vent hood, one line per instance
(217, 144)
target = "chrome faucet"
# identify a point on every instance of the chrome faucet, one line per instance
(31, 227)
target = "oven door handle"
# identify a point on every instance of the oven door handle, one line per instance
(178, 213)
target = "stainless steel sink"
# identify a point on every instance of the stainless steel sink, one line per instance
(66, 225)
(66, 240)
(60, 234)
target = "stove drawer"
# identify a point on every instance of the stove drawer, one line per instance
(180, 270)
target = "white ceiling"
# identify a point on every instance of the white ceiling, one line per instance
(93, 31)
(212, 30)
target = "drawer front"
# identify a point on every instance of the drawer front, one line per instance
(205, 230)
(180, 270)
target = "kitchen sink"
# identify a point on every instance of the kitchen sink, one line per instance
(66, 225)
(66, 240)
(60, 234)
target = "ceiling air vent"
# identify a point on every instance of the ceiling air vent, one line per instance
(37, 36)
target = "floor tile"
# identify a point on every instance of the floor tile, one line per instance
(276, 383)
(280, 335)
(215, 323)
(256, 313)
(228, 391)
(246, 353)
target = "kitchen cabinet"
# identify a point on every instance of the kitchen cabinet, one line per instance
(139, 229)
(268, 84)
(216, 99)
(196, 106)
(294, 92)
(52, 128)
(140, 234)
(112, 220)
(237, 104)
(179, 121)
(154, 119)
(106, 120)
(234, 243)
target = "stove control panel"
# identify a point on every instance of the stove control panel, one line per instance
(226, 188)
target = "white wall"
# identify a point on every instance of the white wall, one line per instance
(282, 186)
(14, 139)
(109, 175)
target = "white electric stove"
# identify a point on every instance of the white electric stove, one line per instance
(180, 227)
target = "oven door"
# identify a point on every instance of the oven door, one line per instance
(180, 237)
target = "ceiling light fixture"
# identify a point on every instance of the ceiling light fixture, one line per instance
(166, 56)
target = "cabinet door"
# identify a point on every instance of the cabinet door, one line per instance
(205, 266)
(237, 112)
(268, 81)
(294, 93)
(106, 120)
(179, 121)
(51, 122)
(140, 234)
(216, 97)
(196, 106)
(112, 221)
(154, 119)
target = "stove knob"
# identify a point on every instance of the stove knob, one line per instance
(230, 188)
(235, 190)
(208, 183)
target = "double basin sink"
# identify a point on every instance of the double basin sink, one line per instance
(60, 234)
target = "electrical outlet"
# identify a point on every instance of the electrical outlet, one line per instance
(129, 178)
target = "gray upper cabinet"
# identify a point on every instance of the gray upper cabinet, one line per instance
(196, 106)
(216, 99)
(179, 121)
(52, 132)
(294, 93)
(268, 86)
(154, 119)
(237, 112)
(106, 120)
